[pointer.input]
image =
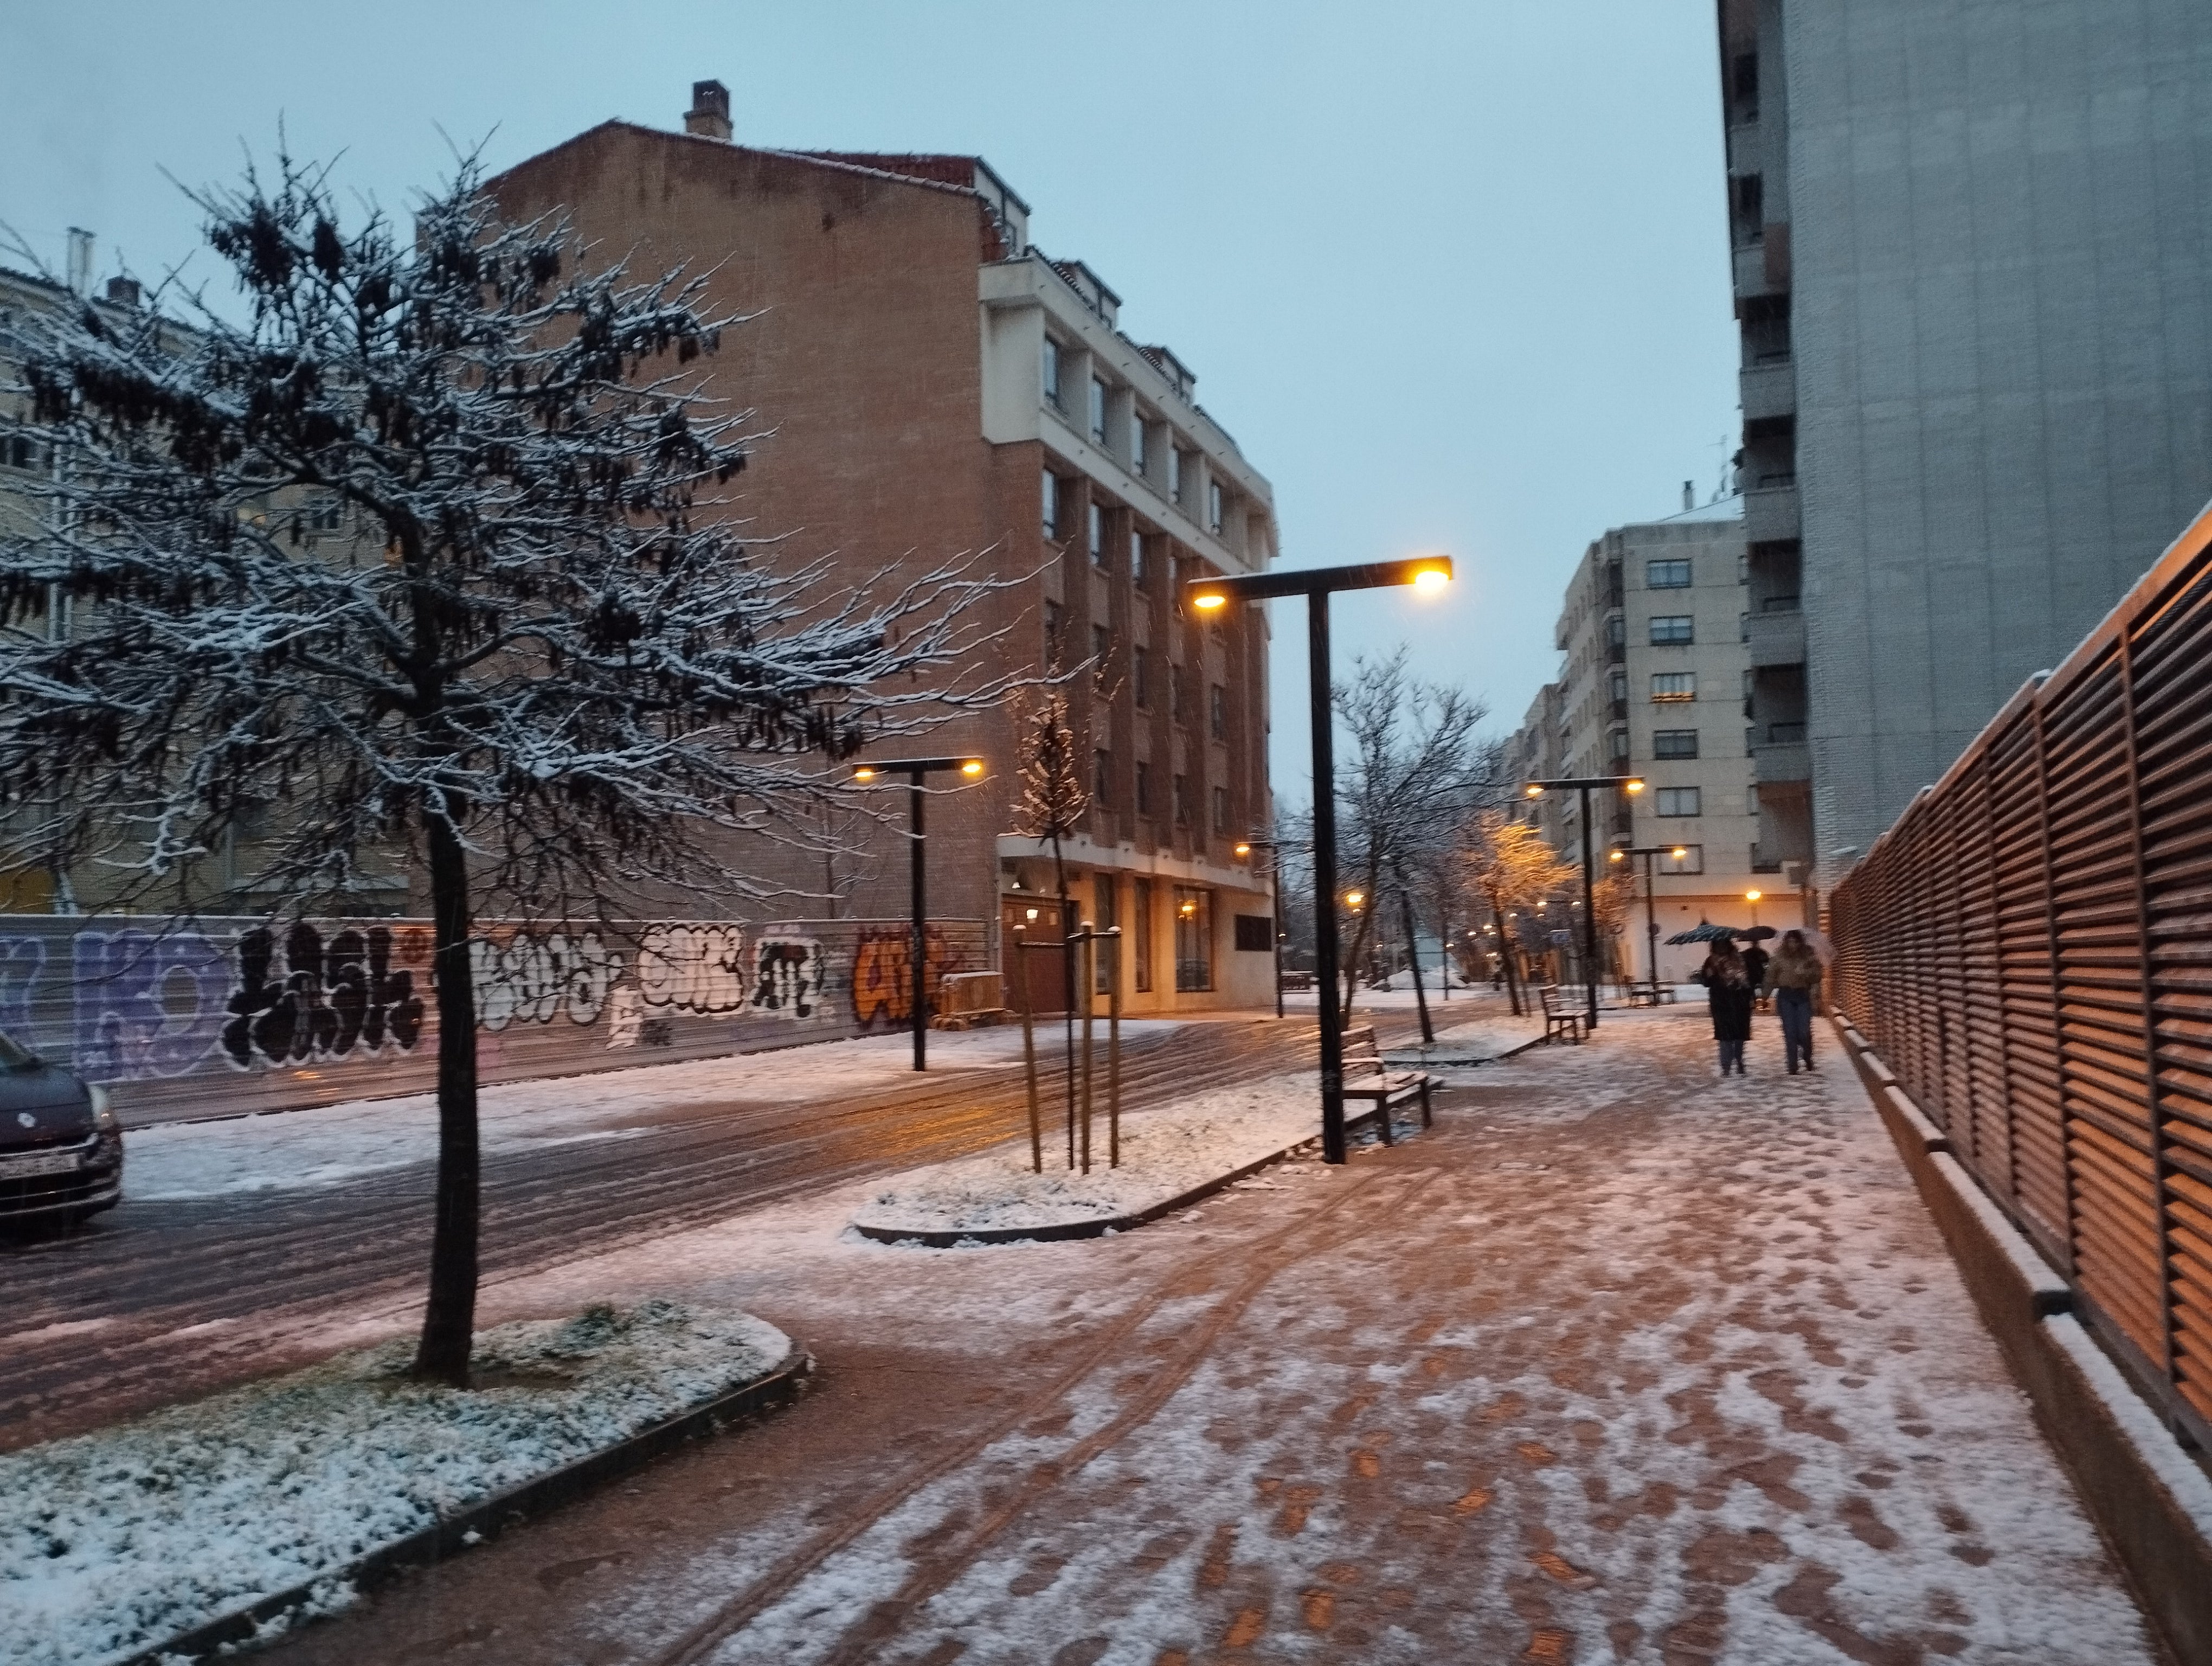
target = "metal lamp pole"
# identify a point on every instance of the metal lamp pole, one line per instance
(1245, 848)
(1648, 852)
(915, 770)
(1585, 785)
(1316, 585)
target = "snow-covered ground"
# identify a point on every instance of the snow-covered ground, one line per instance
(1164, 1153)
(1621, 1363)
(335, 1144)
(113, 1542)
(1481, 1038)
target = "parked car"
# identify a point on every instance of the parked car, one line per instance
(61, 1148)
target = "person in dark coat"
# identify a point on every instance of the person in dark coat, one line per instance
(1728, 994)
(1795, 981)
(1754, 968)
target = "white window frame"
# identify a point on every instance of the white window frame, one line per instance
(1677, 797)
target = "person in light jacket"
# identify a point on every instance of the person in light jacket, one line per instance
(1728, 994)
(1793, 977)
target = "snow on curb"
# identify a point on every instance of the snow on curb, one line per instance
(1169, 1157)
(232, 1517)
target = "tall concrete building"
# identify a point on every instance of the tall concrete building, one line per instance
(1655, 678)
(1973, 249)
(934, 387)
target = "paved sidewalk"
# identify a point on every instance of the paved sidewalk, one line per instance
(1618, 1363)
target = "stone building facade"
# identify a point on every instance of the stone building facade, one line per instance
(1975, 292)
(933, 386)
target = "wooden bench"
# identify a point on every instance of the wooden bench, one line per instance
(1367, 1078)
(1298, 979)
(1559, 1023)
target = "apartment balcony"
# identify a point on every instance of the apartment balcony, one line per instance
(1769, 390)
(1751, 270)
(1780, 755)
(1776, 638)
(1769, 515)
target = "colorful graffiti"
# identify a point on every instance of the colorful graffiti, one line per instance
(221, 1016)
(882, 982)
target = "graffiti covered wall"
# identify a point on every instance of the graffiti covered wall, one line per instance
(222, 1018)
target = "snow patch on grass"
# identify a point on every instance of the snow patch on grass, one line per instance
(112, 1542)
(1164, 1153)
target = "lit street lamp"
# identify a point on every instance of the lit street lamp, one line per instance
(1585, 785)
(1621, 852)
(1751, 897)
(1244, 849)
(1428, 572)
(915, 768)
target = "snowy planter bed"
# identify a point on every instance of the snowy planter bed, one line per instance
(1168, 1157)
(1483, 1040)
(232, 1517)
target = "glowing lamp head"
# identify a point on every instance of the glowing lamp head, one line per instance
(1535, 791)
(1751, 895)
(1678, 852)
(1188, 909)
(1209, 600)
(1430, 579)
(1618, 856)
(1633, 784)
(972, 768)
(863, 773)
(1354, 898)
(1243, 848)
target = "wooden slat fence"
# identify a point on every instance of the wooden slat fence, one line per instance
(2030, 948)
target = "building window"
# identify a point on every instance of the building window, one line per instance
(1055, 618)
(1102, 776)
(1052, 374)
(1136, 443)
(1674, 685)
(1181, 785)
(20, 451)
(1144, 787)
(1673, 630)
(1097, 536)
(1616, 685)
(1221, 810)
(1678, 801)
(1053, 499)
(1217, 713)
(1140, 677)
(1140, 906)
(1098, 411)
(1674, 743)
(1194, 930)
(1692, 861)
(1617, 745)
(1667, 575)
(327, 515)
(1137, 559)
(1616, 632)
(1213, 517)
(1174, 475)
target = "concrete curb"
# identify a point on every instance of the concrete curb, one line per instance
(2149, 1499)
(1068, 1231)
(277, 1615)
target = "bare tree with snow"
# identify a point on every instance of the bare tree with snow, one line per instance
(541, 669)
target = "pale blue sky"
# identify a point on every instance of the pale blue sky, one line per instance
(1454, 275)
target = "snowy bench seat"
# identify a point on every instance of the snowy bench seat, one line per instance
(1367, 1078)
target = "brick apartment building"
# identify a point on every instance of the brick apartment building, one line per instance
(933, 386)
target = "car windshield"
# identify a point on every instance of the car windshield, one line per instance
(15, 1056)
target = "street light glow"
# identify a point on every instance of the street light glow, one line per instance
(1751, 897)
(1430, 579)
(863, 773)
(1209, 600)
(1354, 898)
(1678, 852)
(1243, 848)
(974, 766)
(1633, 784)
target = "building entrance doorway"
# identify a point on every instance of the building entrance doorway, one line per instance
(1035, 920)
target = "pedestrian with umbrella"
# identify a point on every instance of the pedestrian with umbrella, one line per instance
(1755, 959)
(1794, 976)
(1727, 993)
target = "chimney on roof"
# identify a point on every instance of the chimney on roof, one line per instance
(80, 260)
(1689, 497)
(123, 291)
(709, 114)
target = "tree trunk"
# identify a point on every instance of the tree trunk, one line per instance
(1505, 954)
(449, 1320)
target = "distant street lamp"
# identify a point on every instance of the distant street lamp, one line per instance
(1621, 852)
(1316, 585)
(1244, 849)
(1585, 785)
(915, 768)
(1751, 897)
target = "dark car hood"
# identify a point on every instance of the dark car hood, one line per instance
(55, 1101)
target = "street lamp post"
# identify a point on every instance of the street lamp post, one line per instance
(1245, 848)
(915, 770)
(1316, 585)
(1650, 899)
(1751, 897)
(1585, 785)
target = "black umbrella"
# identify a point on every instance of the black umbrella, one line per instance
(1756, 934)
(1703, 931)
